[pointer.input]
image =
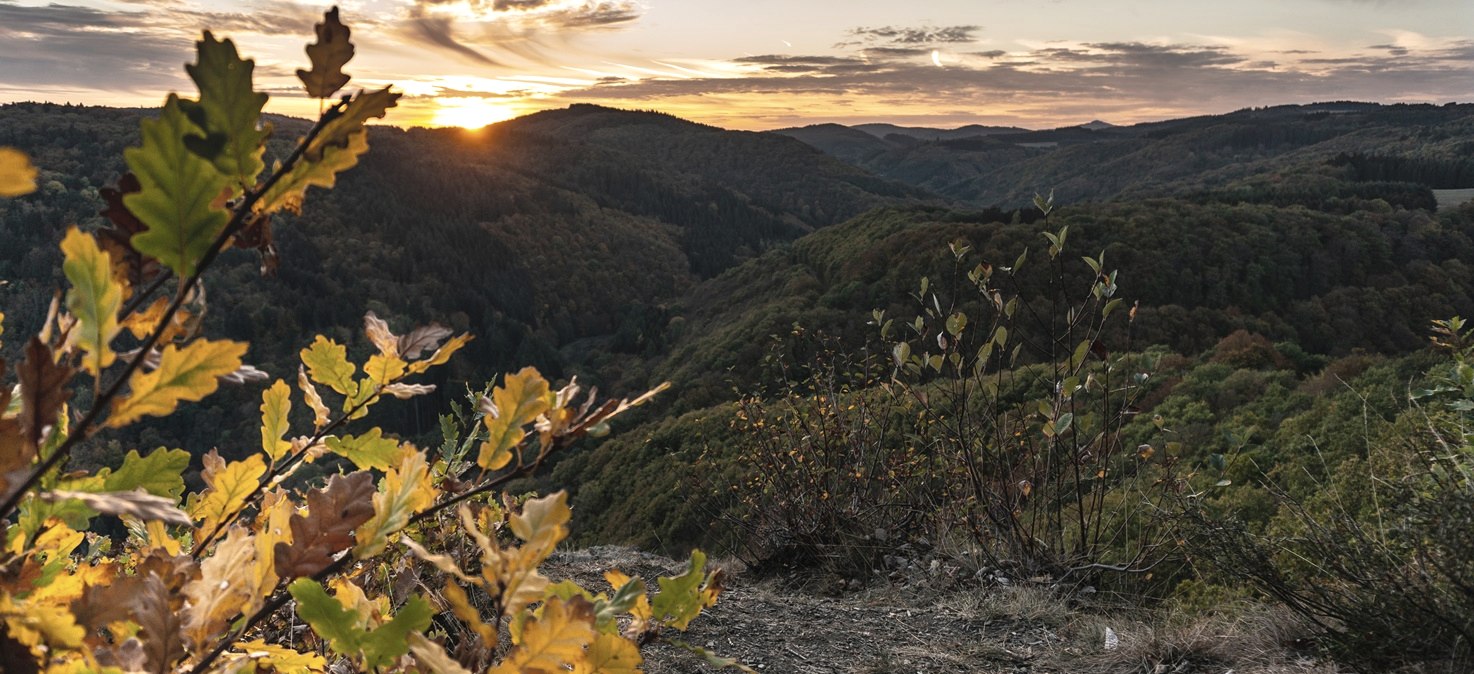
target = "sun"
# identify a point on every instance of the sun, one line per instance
(471, 113)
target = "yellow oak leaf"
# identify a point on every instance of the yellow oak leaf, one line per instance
(226, 586)
(228, 486)
(187, 374)
(273, 527)
(17, 175)
(320, 413)
(282, 660)
(461, 606)
(554, 640)
(405, 490)
(289, 192)
(610, 654)
(432, 656)
(34, 624)
(94, 298)
(276, 404)
(515, 404)
(327, 364)
(442, 355)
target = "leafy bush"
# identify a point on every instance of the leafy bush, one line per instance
(1376, 556)
(204, 582)
(997, 435)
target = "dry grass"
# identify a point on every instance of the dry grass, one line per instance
(1242, 640)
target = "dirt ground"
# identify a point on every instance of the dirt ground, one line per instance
(776, 629)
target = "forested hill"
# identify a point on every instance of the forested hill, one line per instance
(560, 224)
(1426, 144)
(630, 247)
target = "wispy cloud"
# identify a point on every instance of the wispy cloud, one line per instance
(924, 35)
(488, 32)
(521, 55)
(1067, 82)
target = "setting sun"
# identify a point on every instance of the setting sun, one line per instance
(471, 113)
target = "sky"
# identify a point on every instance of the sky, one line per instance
(762, 64)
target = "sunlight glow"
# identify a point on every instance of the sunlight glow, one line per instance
(471, 113)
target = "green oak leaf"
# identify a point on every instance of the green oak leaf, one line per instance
(369, 450)
(161, 473)
(229, 112)
(180, 192)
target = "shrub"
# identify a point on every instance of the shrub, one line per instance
(204, 582)
(1377, 559)
(996, 436)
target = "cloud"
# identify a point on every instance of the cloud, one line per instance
(490, 32)
(68, 47)
(65, 45)
(1067, 82)
(439, 32)
(912, 36)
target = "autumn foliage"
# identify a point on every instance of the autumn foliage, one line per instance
(214, 580)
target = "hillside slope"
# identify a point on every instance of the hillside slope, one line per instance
(1430, 145)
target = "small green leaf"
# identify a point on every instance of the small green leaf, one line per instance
(369, 450)
(902, 353)
(328, 617)
(956, 323)
(161, 473)
(385, 644)
(681, 598)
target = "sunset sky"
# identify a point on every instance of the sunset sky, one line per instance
(771, 63)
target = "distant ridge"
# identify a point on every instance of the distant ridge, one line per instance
(1420, 144)
(928, 133)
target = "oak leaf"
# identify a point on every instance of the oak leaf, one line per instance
(380, 335)
(364, 106)
(290, 190)
(329, 54)
(159, 622)
(326, 529)
(276, 404)
(94, 298)
(327, 364)
(440, 357)
(421, 339)
(515, 404)
(43, 392)
(225, 587)
(180, 197)
(320, 412)
(405, 490)
(280, 659)
(161, 473)
(432, 658)
(187, 374)
(17, 175)
(228, 487)
(228, 112)
(610, 654)
(139, 504)
(554, 640)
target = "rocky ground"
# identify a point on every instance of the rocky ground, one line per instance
(778, 626)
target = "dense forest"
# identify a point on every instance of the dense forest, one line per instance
(1281, 269)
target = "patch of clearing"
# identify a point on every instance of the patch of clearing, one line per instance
(1453, 198)
(911, 629)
